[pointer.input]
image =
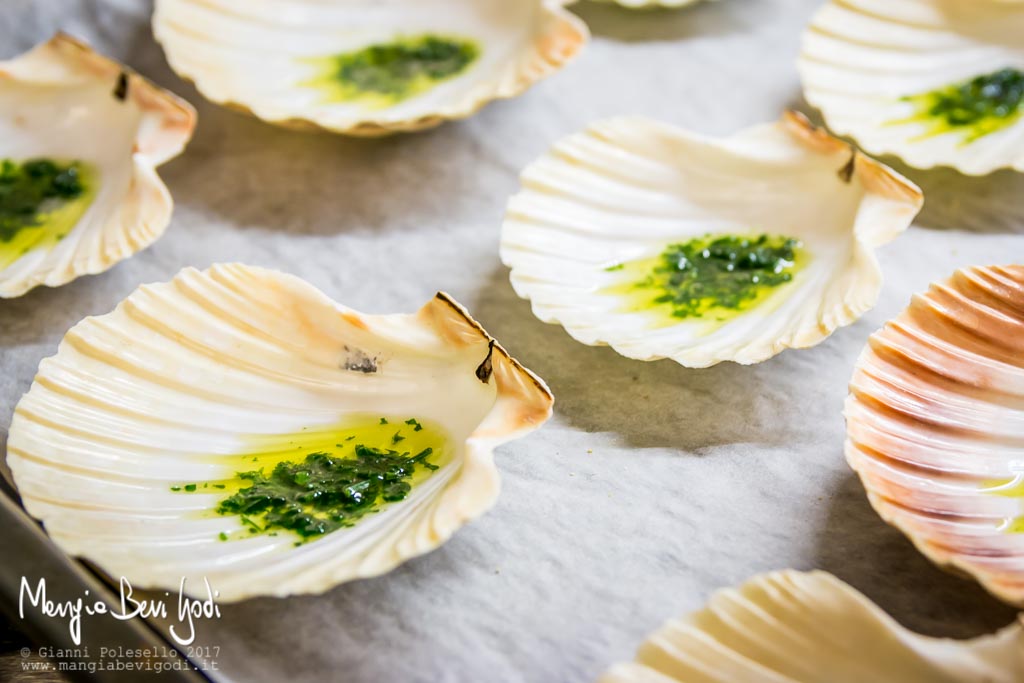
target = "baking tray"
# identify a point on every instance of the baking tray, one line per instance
(653, 485)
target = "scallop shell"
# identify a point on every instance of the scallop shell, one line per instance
(221, 45)
(861, 57)
(171, 384)
(62, 100)
(797, 627)
(935, 427)
(625, 188)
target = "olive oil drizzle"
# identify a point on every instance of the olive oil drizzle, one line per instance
(387, 73)
(976, 107)
(1012, 487)
(314, 488)
(711, 276)
(40, 201)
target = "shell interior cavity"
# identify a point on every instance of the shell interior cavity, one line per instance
(934, 82)
(142, 442)
(935, 425)
(797, 627)
(365, 67)
(621, 234)
(82, 116)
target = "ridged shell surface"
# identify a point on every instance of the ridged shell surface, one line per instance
(624, 189)
(172, 385)
(861, 59)
(797, 627)
(260, 56)
(935, 425)
(61, 100)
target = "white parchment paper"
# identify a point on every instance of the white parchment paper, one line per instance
(653, 485)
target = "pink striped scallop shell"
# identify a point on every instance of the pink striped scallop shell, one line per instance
(935, 425)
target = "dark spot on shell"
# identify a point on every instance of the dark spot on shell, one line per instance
(484, 370)
(846, 172)
(121, 89)
(358, 361)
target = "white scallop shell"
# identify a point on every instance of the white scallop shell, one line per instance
(225, 48)
(860, 57)
(935, 425)
(625, 188)
(797, 627)
(58, 100)
(162, 388)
